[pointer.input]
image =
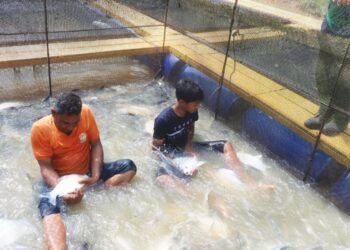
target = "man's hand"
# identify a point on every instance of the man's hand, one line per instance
(75, 197)
(194, 172)
(189, 149)
(342, 2)
(87, 182)
(156, 143)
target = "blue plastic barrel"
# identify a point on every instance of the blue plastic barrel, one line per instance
(168, 64)
(340, 191)
(283, 142)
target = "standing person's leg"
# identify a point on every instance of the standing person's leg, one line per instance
(326, 66)
(341, 103)
(118, 173)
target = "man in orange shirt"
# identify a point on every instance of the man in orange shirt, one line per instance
(67, 142)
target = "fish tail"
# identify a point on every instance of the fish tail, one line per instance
(52, 198)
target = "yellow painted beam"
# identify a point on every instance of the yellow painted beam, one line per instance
(18, 56)
(243, 35)
(306, 22)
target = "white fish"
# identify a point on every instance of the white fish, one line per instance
(67, 184)
(123, 242)
(6, 105)
(149, 127)
(101, 25)
(12, 230)
(165, 242)
(212, 226)
(136, 110)
(228, 177)
(187, 164)
(254, 161)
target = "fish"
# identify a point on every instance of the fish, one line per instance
(66, 184)
(213, 226)
(282, 248)
(165, 242)
(135, 110)
(148, 128)
(123, 242)
(254, 161)
(6, 105)
(12, 230)
(228, 177)
(188, 164)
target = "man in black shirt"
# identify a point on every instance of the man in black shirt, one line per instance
(173, 134)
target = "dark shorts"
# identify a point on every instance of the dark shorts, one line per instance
(108, 170)
(165, 168)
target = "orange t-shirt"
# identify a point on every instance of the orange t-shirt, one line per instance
(69, 153)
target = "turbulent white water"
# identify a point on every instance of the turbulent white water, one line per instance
(145, 215)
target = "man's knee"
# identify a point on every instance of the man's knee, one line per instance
(46, 208)
(129, 170)
(126, 165)
(129, 165)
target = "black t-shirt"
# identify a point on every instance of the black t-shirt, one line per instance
(172, 128)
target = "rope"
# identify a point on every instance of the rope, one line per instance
(328, 113)
(165, 23)
(47, 48)
(217, 106)
(159, 73)
(236, 32)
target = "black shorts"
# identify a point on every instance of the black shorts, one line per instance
(167, 169)
(108, 170)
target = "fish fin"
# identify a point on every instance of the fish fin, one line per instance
(52, 198)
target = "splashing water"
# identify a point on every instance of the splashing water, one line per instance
(145, 215)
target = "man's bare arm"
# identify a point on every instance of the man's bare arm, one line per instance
(188, 146)
(96, 161)
(49, 175)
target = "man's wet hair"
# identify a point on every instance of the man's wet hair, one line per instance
(68, 104)
(188, 91)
